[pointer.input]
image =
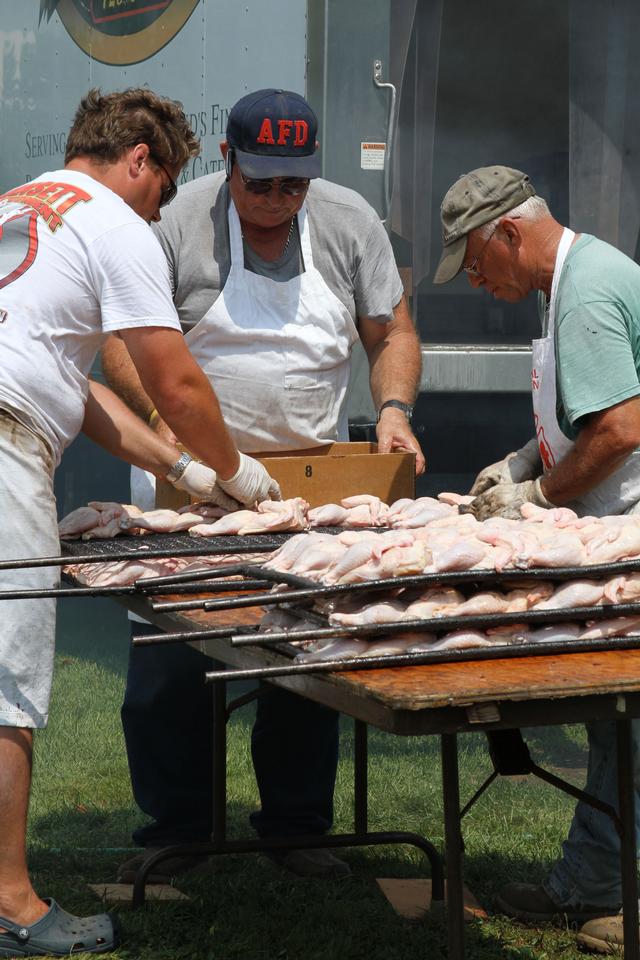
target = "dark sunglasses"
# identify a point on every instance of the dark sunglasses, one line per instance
(291, 186)
(168, 192)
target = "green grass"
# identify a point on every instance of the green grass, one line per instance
(82, 814)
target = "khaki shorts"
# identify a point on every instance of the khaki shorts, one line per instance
(28, 528)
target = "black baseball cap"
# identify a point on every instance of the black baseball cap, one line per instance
(273, 134)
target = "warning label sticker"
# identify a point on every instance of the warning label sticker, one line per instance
(372, 156)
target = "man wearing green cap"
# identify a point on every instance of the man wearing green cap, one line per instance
(586, 404)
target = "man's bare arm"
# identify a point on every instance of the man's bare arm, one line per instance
(109, 422)
(182, 395)
(395, 364)
(122, 377)
(603, 444)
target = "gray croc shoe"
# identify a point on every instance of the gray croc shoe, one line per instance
(59, 934)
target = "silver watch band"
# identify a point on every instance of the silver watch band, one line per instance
(179, 467)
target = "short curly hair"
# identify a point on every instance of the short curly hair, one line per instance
(107, 125)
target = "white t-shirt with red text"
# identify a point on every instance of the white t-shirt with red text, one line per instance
(76, 264)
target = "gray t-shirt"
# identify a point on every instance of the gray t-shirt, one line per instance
(350, 249)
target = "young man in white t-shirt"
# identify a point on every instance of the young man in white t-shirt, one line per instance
(78, 261)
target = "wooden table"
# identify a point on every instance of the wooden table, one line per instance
(454, 698)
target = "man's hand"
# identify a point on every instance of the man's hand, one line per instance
(251, 483)
(523, 464)
(200, 483)
(394, 433)
(505, 500)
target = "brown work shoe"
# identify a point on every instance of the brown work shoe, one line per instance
(604, 935)
(164, 871)
(531, 902)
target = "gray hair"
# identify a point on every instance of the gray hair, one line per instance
(533, 208)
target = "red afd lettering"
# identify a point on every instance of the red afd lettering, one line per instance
(266, 132)
(302, 133)
(284, 131)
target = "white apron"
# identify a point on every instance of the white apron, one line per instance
(620, 492)
(277, 354)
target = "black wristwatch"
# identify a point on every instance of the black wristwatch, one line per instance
(406, 408)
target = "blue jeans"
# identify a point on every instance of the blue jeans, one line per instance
(589, 870)
(167, 722)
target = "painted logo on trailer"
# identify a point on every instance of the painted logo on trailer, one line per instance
(120, 32)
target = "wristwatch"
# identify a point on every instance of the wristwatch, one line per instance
(179, 468)
(406, 408)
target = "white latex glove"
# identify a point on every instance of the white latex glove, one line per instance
(522, 464)
(251, 483)
(505, 500)
(200, 483)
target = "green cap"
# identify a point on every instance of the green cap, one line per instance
(475, 199)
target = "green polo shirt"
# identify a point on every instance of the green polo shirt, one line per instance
(597, 331)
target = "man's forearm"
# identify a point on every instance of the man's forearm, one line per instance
(602, 447)
(395, 358)
(122, 377)
(109, 422)
(395, 369)
(183, 396)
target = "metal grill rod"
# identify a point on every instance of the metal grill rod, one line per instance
(225, 570)
(506, 652)
(148, 640)
(142, 553)
(479, 622)
(131, 589)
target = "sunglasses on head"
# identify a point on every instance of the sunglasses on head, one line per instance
(169, 190)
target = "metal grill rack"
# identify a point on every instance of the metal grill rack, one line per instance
(304, 592)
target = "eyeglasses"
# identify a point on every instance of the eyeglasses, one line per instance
(169, 190)
(291, 186)
(472, 269)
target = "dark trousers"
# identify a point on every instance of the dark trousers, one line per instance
(167, 722)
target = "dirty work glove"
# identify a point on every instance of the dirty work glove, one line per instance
(505, 500)
(200, 483)
(251, 483)
(522, 464)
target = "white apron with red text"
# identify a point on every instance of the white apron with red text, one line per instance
(277, 354)
(620, 492)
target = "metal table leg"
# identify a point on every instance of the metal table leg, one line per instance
(360, 777)
(628, 865)
(219, 773)
(453, 846)
(220, 845)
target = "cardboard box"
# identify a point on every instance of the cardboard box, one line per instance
(327, 474)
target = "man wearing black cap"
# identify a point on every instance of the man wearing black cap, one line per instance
(586, 404)
(276, 274)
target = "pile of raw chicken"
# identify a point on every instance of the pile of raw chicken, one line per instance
(408, 537)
